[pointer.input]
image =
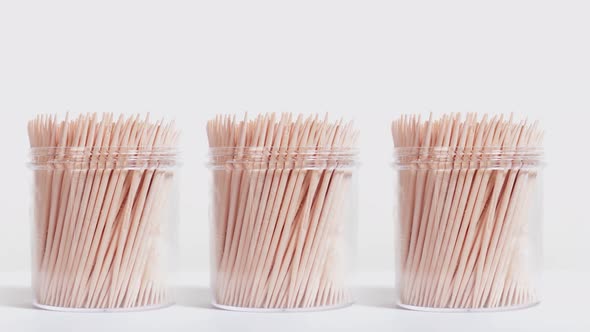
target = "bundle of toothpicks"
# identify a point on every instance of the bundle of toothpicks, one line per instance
(468, 220)
(282, 191)
(101, 208)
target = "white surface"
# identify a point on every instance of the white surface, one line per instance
(368, 60)
(564, 309)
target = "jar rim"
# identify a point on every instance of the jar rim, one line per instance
(472, 157)
(39, 150)
(116, 157)
(483, 150)
(283, 149)
(295, 157)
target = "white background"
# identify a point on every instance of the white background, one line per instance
(366, 60)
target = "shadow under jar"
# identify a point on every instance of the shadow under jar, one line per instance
(281, 223)
(469, 218)
(103, 219)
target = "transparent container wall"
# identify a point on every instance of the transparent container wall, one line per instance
(103, 234)
(469, 232)
(282, 236)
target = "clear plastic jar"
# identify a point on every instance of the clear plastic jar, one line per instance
(281, 222)
(104, 222)
(469, 228)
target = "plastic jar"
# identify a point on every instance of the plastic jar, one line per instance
(282, 223)
(469, 227)
(104, 222)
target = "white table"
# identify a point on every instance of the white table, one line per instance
(565, 308)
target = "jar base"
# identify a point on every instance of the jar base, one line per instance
(270, 310)
(93, 310)
(459, 310)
